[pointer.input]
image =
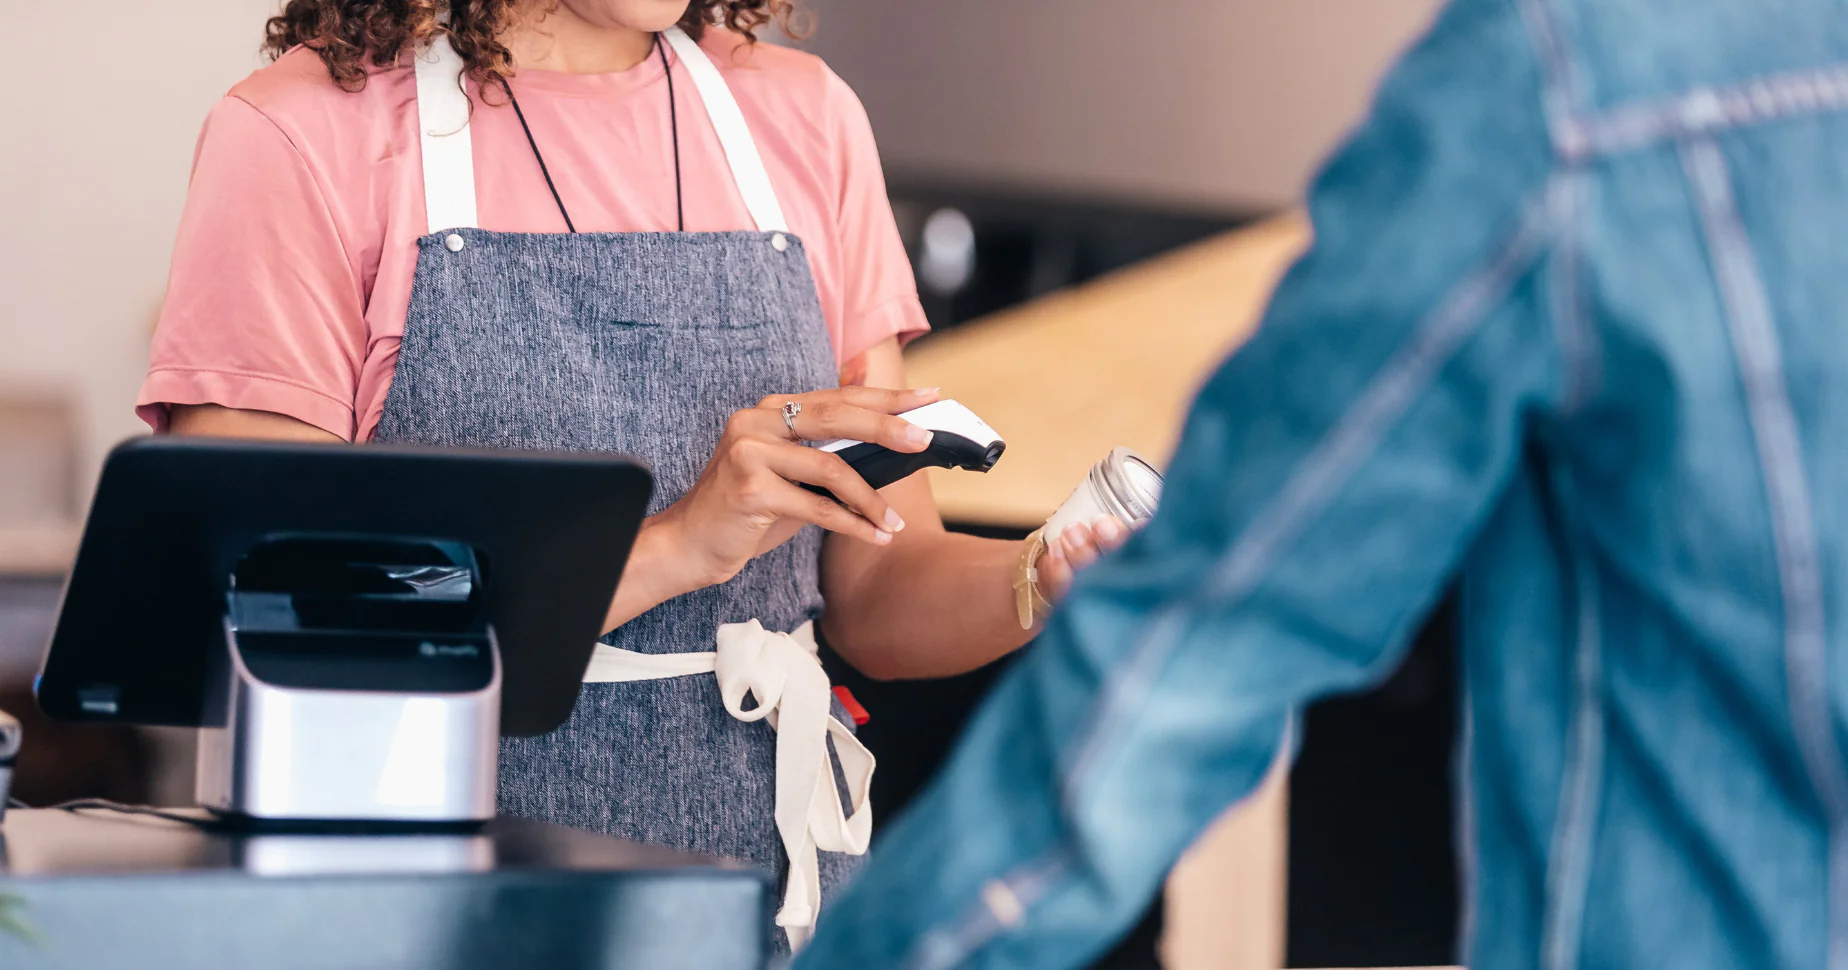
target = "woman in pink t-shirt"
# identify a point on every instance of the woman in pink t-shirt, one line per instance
(607, 225)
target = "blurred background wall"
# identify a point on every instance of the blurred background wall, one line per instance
(107, 102)
(1222, 105)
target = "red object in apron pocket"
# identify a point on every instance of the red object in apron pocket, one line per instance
(854, 710)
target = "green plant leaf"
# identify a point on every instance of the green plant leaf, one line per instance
(13, 920)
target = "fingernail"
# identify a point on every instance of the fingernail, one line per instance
(893, 522)
(916, 435)
(927, 391)
(1109, 530)
(1057, 549)
(882, 538)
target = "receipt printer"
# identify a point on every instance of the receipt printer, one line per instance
(360, 680)
(351, 629)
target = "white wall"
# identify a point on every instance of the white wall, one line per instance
(105, 102)
(1218, 103)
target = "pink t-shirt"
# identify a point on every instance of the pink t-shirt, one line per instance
(292, 272)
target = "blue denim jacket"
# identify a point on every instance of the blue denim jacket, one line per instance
(1575, 328)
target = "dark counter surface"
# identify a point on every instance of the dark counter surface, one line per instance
(96, 890)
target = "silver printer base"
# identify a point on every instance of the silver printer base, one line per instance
(306, 753)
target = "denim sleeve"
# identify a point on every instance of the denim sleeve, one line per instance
(1330, 477)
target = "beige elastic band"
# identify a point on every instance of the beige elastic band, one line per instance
(1028, 600)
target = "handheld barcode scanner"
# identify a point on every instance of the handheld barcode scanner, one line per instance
(959, 439)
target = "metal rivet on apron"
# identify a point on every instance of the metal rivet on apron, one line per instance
(453, 242)
(779, 242)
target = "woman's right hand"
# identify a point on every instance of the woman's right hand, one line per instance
(749, 500)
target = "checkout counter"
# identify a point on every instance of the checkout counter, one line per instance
(85, 890)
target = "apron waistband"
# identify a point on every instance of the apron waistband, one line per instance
(783, 673)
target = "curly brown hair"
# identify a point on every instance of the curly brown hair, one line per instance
(356, 37)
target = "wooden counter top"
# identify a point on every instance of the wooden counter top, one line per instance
(1115, 362)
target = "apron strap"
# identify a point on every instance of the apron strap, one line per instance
(783, 675)
(747, 166)
(448, 155)
(442, 133)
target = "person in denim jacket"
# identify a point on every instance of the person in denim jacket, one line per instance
(1574, 331)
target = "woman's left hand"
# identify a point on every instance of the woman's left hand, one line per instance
(1077, 547)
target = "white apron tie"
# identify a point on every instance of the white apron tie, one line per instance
(783, 673)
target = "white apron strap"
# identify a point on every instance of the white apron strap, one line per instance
(449, 161)
(442, 132)
(734, 135)
(783, 674)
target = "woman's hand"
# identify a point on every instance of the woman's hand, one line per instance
(1077, 547)
(749, 500)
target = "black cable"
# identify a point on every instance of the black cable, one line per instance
(541, 158)
(105, 805)
(673, 127)
(12, 802)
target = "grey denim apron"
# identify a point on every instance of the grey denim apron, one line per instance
(641, 343)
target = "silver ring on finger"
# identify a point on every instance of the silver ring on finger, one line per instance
(790, 410)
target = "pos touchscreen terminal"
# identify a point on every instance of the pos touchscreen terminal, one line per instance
(351, 628)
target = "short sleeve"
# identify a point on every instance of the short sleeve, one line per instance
(880, 292)
(264, 310)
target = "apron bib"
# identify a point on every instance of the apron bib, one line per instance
(644, 343)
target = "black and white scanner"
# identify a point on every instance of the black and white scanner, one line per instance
(959, 439)
(351, 629)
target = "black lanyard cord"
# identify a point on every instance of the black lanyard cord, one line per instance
(673, 121)
(673, 127)
(569, 227)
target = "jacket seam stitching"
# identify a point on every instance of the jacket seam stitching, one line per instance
(1469, 865)
(952, 945)
(1578, 346)
(1747, 314)
(1568, 879)
(1561, 87)
(1706, 110)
